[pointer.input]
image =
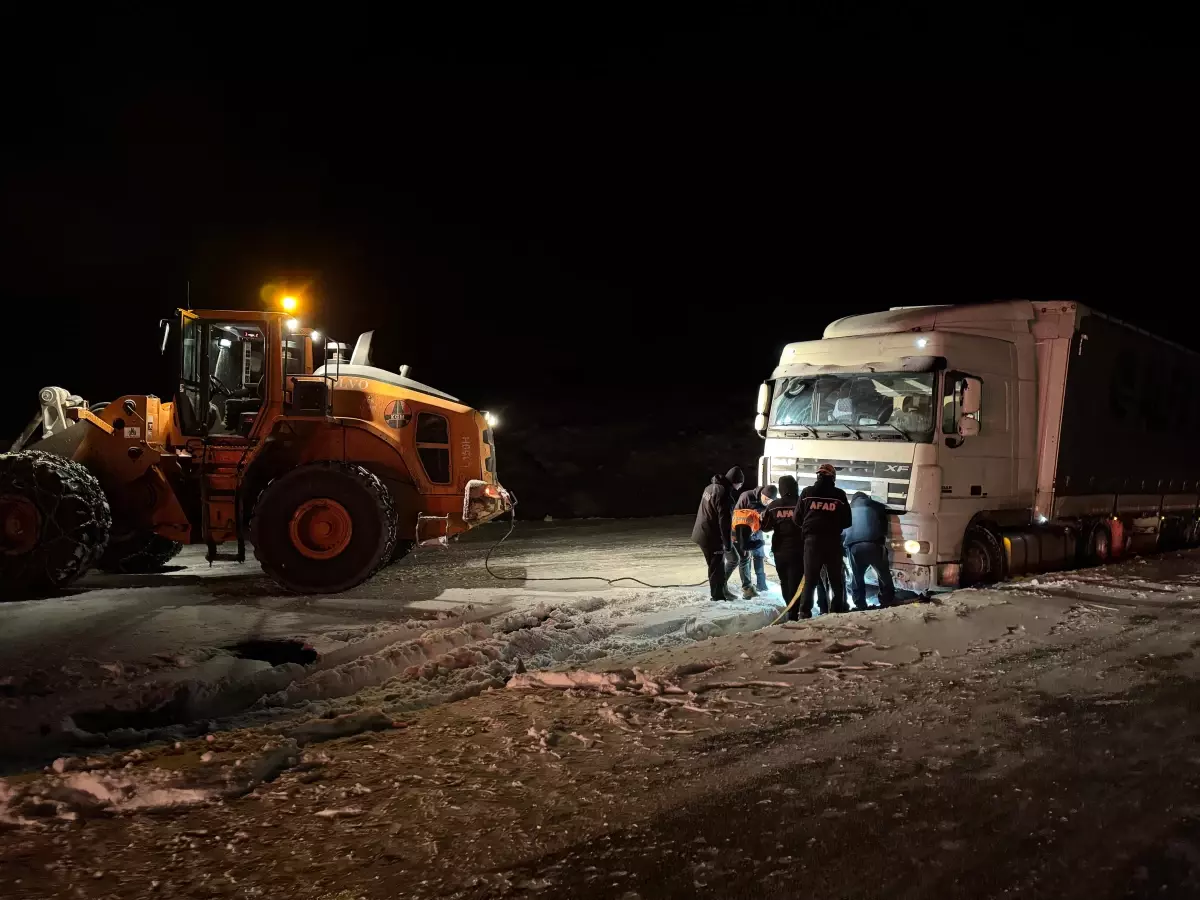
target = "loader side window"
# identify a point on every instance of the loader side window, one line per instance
(433, 446)
(432, 429)
(190, 368)
(193, 394)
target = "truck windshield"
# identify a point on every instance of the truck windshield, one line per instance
(891, 400)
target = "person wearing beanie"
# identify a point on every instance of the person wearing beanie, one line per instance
(787, 547)
(824, 512)
(748, 538)
(713, 531)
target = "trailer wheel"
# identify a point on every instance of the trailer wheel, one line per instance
(982, 557)
(137, 552)
(323, 527)
(54, 522)
(1097, 550)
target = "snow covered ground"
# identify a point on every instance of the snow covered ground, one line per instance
(124, 659)
(1030, 739)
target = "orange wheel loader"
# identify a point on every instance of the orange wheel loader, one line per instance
(330, 472)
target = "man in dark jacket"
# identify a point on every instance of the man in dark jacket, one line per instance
(866, 542)
(787, 545)
(824, 513)
(713, 531)
(748, 538)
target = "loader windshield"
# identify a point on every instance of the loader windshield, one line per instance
(866, 402)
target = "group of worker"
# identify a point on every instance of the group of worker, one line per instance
(811, 529)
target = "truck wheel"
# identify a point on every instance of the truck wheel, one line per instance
(136, 552)
(982, 557)
(54, 522)
(323, 527)
(1097, 550)
(401, 550)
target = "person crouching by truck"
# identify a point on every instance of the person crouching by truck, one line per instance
(787, 545)
(866, 545)
(748, 538)
(713, 531)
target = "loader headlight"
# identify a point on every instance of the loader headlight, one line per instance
(491, 419)
(288, 303)
(292, 324)
(914, 547)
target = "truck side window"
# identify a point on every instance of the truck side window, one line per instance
(433, 446)
(952, 400)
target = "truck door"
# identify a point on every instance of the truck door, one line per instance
(977, 443)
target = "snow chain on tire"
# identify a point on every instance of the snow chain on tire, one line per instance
(74, 521)
(138, 553)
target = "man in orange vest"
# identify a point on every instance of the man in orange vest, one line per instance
(748, 538)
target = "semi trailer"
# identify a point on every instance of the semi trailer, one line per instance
(1006, 438)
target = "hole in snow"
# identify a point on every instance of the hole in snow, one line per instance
(102, 721)
(276, 652)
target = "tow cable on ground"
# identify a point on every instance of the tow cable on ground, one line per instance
(487, 564)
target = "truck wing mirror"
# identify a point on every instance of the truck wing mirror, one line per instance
(972, 396)
(968, 427)
(764, 398)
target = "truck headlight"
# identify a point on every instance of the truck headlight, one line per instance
(914, 547)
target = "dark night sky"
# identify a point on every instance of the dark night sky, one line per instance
(586, 241)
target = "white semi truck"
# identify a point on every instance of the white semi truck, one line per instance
(1007, 438)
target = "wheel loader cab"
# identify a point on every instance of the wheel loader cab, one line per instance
(229, 365)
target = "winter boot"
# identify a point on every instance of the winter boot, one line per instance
(749, 593)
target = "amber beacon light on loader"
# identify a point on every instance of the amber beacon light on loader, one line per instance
(331, 472)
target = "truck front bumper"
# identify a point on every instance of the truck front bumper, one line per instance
(920, 579)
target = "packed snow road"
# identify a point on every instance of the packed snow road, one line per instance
(125, 659)
(1036, 739)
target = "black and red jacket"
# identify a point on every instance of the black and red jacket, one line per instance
(824, 511)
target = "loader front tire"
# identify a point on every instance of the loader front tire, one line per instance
(323, 527)
(138, 552)
(54, 522)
